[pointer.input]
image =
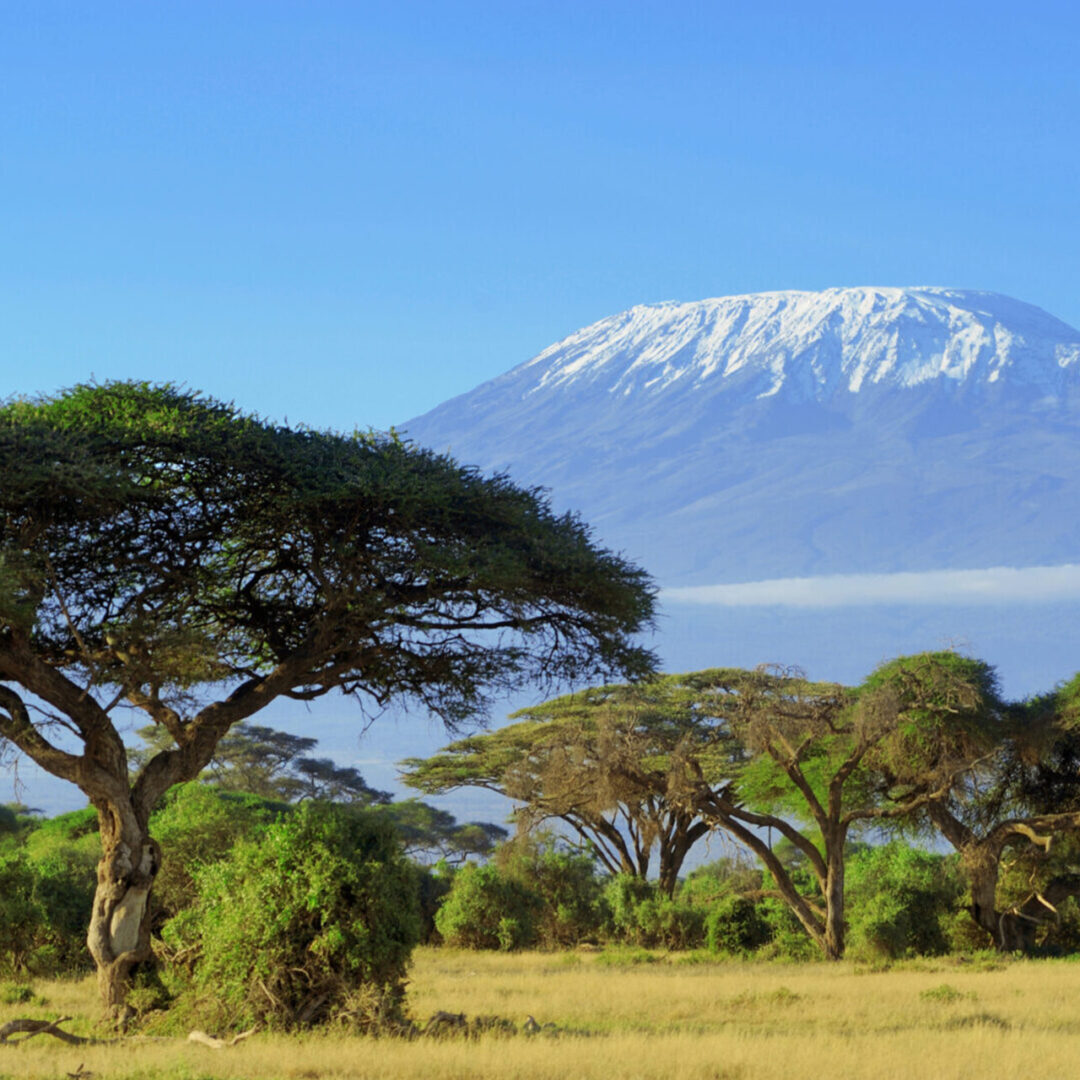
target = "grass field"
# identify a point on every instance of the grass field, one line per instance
(664, 1019)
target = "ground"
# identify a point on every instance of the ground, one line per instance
(630, 1014)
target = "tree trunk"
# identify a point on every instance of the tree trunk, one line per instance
(119, 935)
(671, 860)
(981, 866)
(833, 944)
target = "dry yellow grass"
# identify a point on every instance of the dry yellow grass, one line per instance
(668, 1021)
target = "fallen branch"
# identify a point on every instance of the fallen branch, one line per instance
(219, 1044)
(29, 1028)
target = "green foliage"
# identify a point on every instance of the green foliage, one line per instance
(901, 901)
(787, 939)
(573, 908)
(198, 825)
(643, 916)
(22, 920)
(486, 909)
(51, 871)
(705, 885)
(16, 994)
(736, 925)
(946, 710)
(297, 927)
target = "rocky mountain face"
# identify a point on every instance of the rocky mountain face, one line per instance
(798, 433)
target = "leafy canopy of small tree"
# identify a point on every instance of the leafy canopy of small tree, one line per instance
(603, 762)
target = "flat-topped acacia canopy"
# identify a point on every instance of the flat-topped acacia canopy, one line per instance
(163, 551)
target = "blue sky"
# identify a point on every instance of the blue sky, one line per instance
(345, 213)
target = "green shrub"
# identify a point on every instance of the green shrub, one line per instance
(572, 904)
(486, 909)
(22, 919)
(643, 916)
(623, 895)
(787, 940)
(735, 924)
(315, 921)
(900, 901)
(706, 885)
(197, 825)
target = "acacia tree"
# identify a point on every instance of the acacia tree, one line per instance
(274, 764)
(600, 761)
(162, 552)
(820, 759)
(1018, 801)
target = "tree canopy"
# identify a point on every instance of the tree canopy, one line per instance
(163, 551)
(601, 761)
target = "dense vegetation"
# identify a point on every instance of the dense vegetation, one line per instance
(284, 909)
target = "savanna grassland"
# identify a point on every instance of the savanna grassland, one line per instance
(635, 1014)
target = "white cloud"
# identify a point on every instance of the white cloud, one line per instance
(994, 585)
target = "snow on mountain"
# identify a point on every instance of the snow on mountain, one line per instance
(792, 433)
(821, 342)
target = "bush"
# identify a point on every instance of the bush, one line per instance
(22, 920)
(623, 895)
(641, 915)
(44, 913)
(315, 921)
(487, 909)
(735, 924)
(901, 901)
(706, 885)
(785, 938)
(572, 904)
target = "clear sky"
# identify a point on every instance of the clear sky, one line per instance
(344, 213)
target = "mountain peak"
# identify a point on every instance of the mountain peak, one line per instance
(812, 344)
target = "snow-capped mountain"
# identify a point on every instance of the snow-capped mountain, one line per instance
(788, 433)
(811, 344)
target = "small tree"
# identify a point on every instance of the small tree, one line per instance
(163, 552)
(835, 759)
(600, 761)
(314, 921)
(1023, 794)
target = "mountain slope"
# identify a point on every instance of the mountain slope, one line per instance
(798, 433)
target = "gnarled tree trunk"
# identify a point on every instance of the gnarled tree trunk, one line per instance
(119, 934)
(1014, 930)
